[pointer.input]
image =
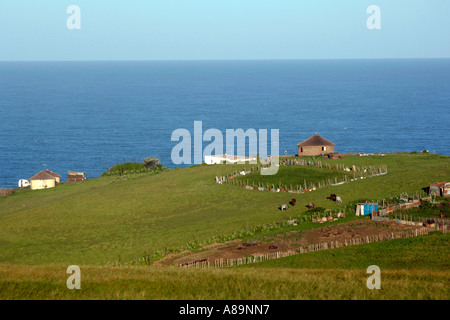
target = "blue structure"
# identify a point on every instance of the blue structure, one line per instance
(364, 209)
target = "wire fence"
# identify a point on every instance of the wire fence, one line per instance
(357, 174)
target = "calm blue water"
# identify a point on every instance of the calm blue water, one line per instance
(89, 116)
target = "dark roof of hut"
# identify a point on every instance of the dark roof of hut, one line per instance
(315, 140)
(43, 175)
(53, 173)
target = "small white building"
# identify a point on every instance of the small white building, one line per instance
(228, 158)
(42, 180)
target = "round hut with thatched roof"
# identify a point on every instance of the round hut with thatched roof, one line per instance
(315, 146)
(42, 180)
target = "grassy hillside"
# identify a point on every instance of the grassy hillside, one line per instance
(293, 175)
(99, 220)
(410, 269)
(431, 252)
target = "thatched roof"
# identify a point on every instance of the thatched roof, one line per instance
(315, 140)
(43, 175)
(53, 173)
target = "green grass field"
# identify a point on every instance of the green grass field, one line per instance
(430, 252)
(94, 223)
(293, 176)
(410, 269)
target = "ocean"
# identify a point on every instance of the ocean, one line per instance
(88, 116)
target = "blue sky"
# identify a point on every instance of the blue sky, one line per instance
(223, 29)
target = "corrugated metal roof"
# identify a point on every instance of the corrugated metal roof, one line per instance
(75, 173)
(438, 184)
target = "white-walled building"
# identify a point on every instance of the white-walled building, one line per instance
(227, 158)
(44, 180)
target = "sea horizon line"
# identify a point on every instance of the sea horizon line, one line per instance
(226, 60)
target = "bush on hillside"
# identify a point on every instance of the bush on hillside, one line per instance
(151, 163)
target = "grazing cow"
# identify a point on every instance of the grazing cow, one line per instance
(311, 205)
(333, 197)
(292, 202)
(338, 199)
(284, 207)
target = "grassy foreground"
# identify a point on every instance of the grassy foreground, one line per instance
(135, 283)
(414, 269)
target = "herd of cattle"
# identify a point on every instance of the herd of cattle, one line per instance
(310, 205)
